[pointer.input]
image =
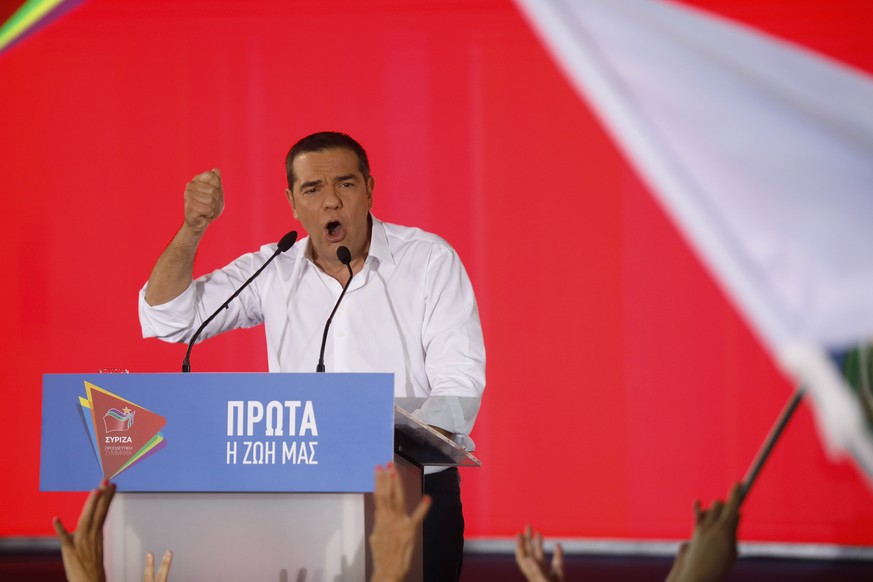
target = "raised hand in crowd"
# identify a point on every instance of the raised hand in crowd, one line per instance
(163, 571)
(82, 551)
(531, 558)
(712, 550)
(394, 530)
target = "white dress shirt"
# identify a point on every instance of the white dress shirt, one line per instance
(411, 311)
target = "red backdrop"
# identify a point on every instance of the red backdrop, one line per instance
(621, 382)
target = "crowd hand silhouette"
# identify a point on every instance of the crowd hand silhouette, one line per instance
(531, 558)
(712, 551)
(394, 530)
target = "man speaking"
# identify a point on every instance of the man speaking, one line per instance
(409, 308)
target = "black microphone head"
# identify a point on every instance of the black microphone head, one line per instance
(287, 241)
(344, 255)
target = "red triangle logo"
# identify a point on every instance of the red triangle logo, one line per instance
(125, 431)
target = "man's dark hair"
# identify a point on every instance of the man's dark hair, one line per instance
(321, 141)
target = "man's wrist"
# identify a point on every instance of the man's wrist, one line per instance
(188, 235)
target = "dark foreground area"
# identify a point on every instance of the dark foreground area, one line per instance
(46, 566)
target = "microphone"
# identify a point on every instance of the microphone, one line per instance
(285, 243)
(345, 257)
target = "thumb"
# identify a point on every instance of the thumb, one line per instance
(61, 531)
(217, 172)
(421, 510)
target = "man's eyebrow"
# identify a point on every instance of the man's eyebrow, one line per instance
(345, 178)
(311, 183)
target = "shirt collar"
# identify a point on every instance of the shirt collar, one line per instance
(379, 248)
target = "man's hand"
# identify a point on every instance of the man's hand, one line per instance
(394, 530)
(531, 558)
(163, 572)
(82, 551)
(713, 547)
(173, 271)
(204, 200)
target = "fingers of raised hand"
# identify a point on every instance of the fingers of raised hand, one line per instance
(558, 563)
(538, 553)
(61, 531)
(206, 189)
(164, 570)
(380, 489)
(86, 517)
(530, 557)
(211, 177)
(148, 574)
(421, 510)
(735, 499)
(522, 545)
(698, 512)
(204, 194)
(523, 557)
(397, 497)
(101, 509)
(715, 510)
(520, 551)
(201, 207)
(527, 537)
(388, 491)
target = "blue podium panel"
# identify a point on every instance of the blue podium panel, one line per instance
(216, 432)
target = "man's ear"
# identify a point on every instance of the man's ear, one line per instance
(371, 183)
(290, 196)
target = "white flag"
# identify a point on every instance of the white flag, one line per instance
(762, 153)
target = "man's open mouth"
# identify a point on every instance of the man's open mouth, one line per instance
(334, 230)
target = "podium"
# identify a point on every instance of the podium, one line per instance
(265, 476)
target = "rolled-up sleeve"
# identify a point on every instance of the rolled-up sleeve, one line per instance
(454, 346)
(172, 321)
(178, 319)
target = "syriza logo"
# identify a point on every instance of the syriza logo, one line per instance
(118, 421)
(122, 432)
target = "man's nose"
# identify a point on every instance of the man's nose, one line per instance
(332, 198)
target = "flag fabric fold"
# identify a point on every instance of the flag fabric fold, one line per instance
(116, 421)
(761, 152)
